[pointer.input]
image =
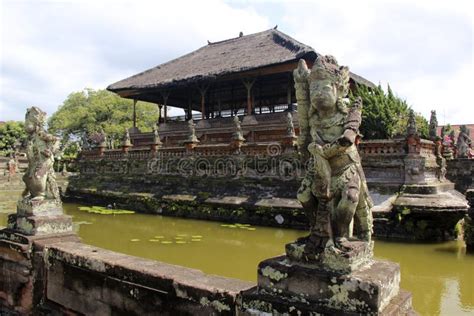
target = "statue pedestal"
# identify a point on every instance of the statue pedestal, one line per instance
(39, 217)
(36, 225)
(358, 285)
(356, 255)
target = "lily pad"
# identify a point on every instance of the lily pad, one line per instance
(104, 211)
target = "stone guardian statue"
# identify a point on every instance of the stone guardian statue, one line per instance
(334, 192)
(464, 143)
(41, 147)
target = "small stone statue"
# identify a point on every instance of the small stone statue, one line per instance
(126, 139)
(192, 132)
(334, 192)
(12, 166)
(290, 128)
(237, 135)
(433, 132)
(156, 136)
(464, 143)
(447, 143)
(39, 178)
(412, 130)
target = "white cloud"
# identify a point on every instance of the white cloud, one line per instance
(424, 49)
(52, 48)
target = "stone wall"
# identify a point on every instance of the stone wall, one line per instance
(58, 275)
(82, 279)
(461, 172)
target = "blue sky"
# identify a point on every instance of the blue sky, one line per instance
(49, 49)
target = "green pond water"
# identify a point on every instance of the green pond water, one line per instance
(440, 276)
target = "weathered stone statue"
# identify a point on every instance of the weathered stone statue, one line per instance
(464, 143)
(39, 211)
(333, 193)
(39, 178)
(433, 131)
(330, 272)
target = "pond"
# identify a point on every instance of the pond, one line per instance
(440, 276)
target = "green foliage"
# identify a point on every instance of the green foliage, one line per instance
(12, 133)
(91, 110)
(385, 115)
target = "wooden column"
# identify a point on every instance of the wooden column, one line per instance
(189, 111)
(164, 95)
(160, 118)
(203, 90)
(232, 101)
(288, 93)
(134, 113)
(248, 85)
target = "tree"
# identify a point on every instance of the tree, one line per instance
(12, 134)
(91, 110)
(384, 115)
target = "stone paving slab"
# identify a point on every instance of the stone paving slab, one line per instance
(228, 200)
(179, 197)
(433, 202)
(279, 203)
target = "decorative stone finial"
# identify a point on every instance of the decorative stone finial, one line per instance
(433, 133)
(412, 130)
(237, 135)
(290, 128)
(156, 136)
(126, 139)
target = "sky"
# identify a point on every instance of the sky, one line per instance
(49, 49)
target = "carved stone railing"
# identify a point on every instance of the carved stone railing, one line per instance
(382, 147)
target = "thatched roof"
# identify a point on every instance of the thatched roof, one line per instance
(221, 58)
(231, 56)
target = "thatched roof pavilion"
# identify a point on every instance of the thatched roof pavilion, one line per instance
(240, 73)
